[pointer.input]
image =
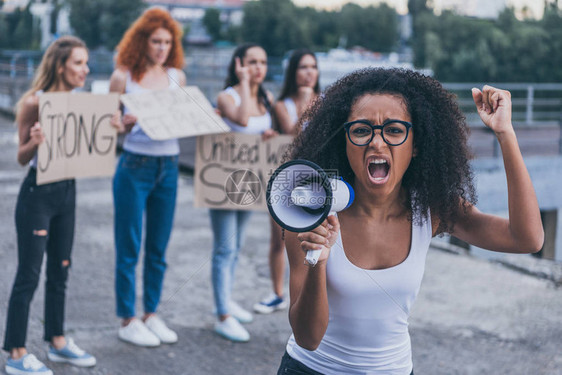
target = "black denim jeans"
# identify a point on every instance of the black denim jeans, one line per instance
(290, 366)
(45, 218)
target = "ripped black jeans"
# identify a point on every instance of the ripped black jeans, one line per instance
(44, 223)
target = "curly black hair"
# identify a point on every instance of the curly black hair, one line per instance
(439, 177)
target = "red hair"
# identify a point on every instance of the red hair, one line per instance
(132, 49)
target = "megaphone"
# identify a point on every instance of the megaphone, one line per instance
(300, 195)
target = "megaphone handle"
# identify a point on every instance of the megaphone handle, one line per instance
(312, 256)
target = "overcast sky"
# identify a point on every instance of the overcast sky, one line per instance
(536, 6)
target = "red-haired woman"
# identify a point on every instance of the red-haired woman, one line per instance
(150, 57)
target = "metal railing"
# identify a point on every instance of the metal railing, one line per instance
(535, 105)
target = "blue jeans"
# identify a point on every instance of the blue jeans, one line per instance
(142, 184)
(228, 235)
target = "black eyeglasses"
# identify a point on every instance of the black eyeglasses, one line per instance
(393, 132)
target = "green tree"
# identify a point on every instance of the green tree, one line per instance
(212, 22)
(328, 30)
(272, 24)
(532, 52)
(320, 29)
(552, 21)
(84, 18)
(422, 21)
(417, 7)
(278, 25)
(18, 30)
(375, 28)
(23, 33)
(4, 34)
(103, 22)
(54, 16)
(116, 19)
(434, 53)
(234, 34)
(460, 48)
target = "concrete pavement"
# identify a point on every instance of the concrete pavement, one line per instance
(472, 316)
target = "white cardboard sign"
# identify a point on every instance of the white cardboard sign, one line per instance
(176, 113)
(232, 170)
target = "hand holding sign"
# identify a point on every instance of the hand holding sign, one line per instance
(36, 134)
(268, 134)
(123, 124)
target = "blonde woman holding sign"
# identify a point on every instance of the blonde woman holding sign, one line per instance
(45, 217)
(150, 57)
(245, 106)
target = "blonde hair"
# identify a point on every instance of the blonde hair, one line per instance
(54, 58)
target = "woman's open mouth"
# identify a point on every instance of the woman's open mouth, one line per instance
(378, 170)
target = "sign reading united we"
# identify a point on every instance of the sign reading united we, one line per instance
(176, 113)
(232, 170)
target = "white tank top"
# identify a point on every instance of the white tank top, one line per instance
(368, 323)
(291, 109)
(256, 124)
(137, 141)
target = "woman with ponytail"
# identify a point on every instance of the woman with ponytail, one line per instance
(300, 88)
(245, 106)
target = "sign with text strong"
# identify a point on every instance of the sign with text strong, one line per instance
(232, 169)
(79, 139)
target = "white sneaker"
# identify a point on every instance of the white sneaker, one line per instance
(159, 328)
(237, 311)
(72, 354)
(26, 365)
(270, 304)
(138, 334)
(231, 329)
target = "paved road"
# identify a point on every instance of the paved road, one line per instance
(472, 316)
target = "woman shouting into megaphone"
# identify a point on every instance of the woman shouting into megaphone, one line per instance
(400, 139)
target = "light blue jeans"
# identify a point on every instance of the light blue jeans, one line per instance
(142, 185)
(228, 227)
